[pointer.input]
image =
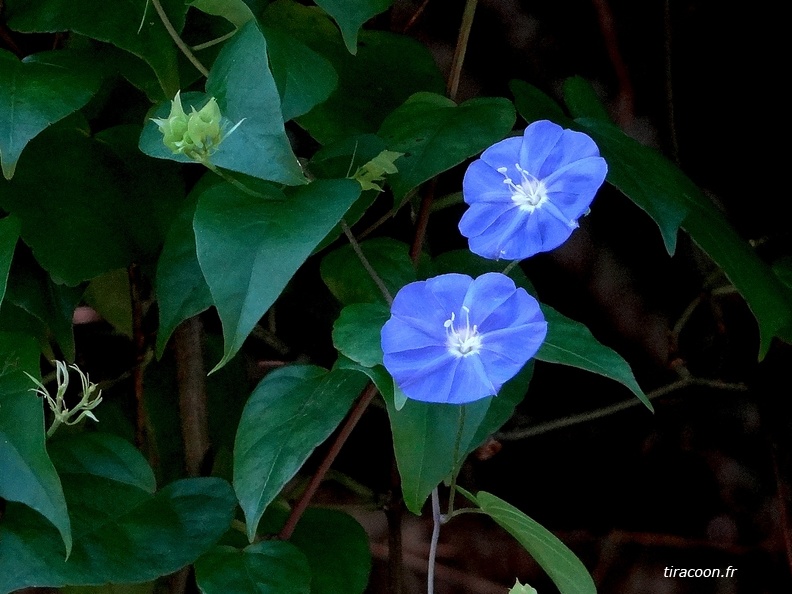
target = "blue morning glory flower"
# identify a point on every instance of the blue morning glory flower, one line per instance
(526, 194)
(454, 339)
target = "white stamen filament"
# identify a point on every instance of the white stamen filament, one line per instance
(530, 193)
(464, 340)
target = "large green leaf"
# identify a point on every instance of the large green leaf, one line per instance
(9, 235)
(658, 186)
(270, 567)
(304, 78)
(290, 412)
(532, 104)
(26, 472)
(582, 101)
(337, 549)
(567, 572)
(249, 247)
(37, 92)
(245, 90)
(387, 69)
(131, 25)
(430, 442)
(122, 533)
(351, 14)
(436, 134)
(182, 291)
(349, 282)
(77, 213)
(235, 11)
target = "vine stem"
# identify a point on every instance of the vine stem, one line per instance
(461, 47)
(354, 416)
(178, 40)
(437, 519)
(366, 264)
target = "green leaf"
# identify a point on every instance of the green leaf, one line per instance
(103, 455)
(245, 90)
(436, 134)
(304, 78)
(181, 289)
(349, 282)
(567, 572)
(26, 472)
(387, 69)
(33, 290)
(337, 549)
(571, 343)
(77, 213)
(147, 588)
(351, 14)
(109, 295)
(265, 567)
(37, 92)
(123, 533)
(9, 235)
(116, 24)
(235, 11)
(356, 333)
(430, 442)
(266, 240)
(292, 410)
(377, 374)
(532, 104)
(582, 101)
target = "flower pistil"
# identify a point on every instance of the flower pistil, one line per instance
(462, 341)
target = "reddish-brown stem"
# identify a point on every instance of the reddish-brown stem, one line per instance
(190, 372)
(414, 18)
(422, 221)
(625, 113)
(139, 337)
(352, 419)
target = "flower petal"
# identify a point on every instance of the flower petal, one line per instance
(505, 153)
(572, 146)
(483, 184)
(539, 141)
(471, 382)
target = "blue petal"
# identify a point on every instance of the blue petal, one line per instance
(403, 335)
(487, 294)
(516, 344)
(505, 153)
(573, 187)
(448, 291)
(480, 217)
(434, 386)
(540, 139)
(483, 184)
(415, 305)
(471, 382)
(409, 366)
(518, 309)
(572, 146)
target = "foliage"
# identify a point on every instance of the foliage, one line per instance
(288, 132)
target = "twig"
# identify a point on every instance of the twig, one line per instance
(461, 47)
(141, 421)
(352, 419)
(394, 513)
(178, 40)
(423, 221)
(614, 408)
(191, 376)
(366, 264)
(415, 17)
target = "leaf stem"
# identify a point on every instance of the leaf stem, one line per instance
(178, 40)
(366, 264)
(208, 44)
(231, 180)
(354, 416)
(461, 47)
(510, 266)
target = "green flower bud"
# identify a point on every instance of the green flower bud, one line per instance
(519, 588)
(196, 135)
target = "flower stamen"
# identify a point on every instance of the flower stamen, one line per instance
(530, 193)
(462, 341)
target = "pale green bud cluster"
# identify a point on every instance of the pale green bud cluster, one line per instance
(63, 414)
(196, 135)
(519, 588)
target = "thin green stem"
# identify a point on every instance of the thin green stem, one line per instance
(461, 47)
(54, 427)
(510, 266)
(458, 463)
(366, 264)
(231, 180)
(178, 40)
(208, 44)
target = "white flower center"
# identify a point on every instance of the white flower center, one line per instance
(530, 193)
(462, 341)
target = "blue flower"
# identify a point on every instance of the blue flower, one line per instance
(527, 194)
(454, 339)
